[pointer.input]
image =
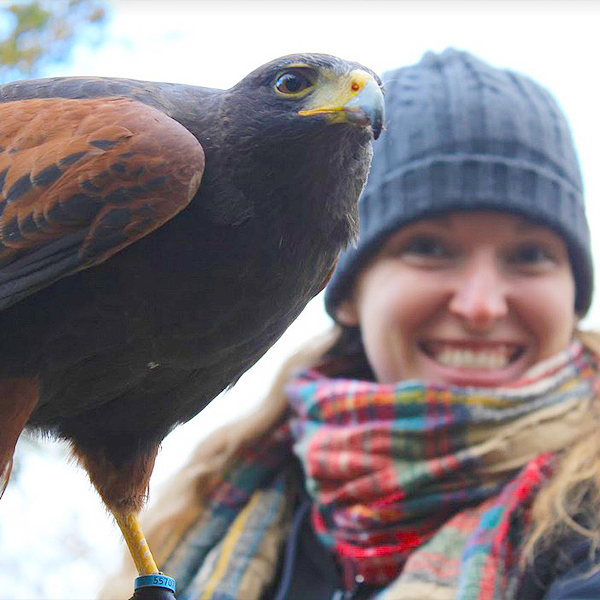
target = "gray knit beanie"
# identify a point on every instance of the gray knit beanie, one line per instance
(462, 135)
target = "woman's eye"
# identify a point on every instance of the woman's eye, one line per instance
(426, 247)
(530, 254)
(292, 82)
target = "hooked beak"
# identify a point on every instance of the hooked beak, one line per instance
(367, 107)
(356, 99)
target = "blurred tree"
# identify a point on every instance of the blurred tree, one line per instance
(37, 33)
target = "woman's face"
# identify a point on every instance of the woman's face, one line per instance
(468, 298)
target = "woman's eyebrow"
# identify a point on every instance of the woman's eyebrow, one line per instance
(441, 220)
(525, 226)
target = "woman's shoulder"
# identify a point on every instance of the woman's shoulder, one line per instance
(569, 570)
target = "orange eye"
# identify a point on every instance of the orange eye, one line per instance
(292, 82)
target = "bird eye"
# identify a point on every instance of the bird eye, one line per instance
(293, 82)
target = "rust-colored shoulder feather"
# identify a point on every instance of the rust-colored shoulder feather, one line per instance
(82, 179)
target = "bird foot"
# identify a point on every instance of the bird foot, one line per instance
(153, 593)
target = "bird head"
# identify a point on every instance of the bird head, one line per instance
(304, 90)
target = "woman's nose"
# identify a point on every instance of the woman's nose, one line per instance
(479, 294)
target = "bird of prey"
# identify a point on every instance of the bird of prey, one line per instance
(156, 239)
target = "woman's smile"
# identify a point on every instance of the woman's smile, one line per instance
(472, 355)
(467, 362)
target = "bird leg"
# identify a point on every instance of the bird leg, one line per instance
(123, 488)
(136, 541)
(18, 398)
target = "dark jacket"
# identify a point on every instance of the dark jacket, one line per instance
(309, 572)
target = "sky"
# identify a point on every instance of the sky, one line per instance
(215, 44)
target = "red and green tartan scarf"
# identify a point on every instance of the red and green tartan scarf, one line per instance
(425, 489)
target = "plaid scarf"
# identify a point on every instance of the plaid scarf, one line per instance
(422, 488)
(389, 465)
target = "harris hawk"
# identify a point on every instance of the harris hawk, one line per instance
(155, 240)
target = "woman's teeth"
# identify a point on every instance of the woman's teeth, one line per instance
(467, 358)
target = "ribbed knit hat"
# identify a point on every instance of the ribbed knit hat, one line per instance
(462, 135)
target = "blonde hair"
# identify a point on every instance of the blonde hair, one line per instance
(570, 501)
(573, 492)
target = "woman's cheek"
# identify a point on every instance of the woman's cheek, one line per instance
(546, 309)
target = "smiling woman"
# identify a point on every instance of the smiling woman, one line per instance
(441, 442)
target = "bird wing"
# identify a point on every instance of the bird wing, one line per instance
(82, 179)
